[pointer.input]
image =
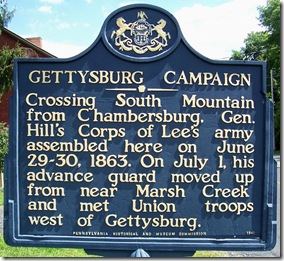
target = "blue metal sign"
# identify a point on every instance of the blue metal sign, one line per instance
(140, 142)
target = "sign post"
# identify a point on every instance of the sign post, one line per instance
(140, 142)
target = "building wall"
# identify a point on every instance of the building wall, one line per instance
(10, 39)
(4, 107)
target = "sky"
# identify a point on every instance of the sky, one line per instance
(67, 27)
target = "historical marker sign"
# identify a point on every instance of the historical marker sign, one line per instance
(140, 142)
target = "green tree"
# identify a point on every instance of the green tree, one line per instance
(255, 48)
(3, 144)
(265, 46)
(7, 56)
(5, 15)
(270, 20)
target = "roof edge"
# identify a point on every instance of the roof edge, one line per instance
(35, 47)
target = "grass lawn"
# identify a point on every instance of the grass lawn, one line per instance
(8, 251)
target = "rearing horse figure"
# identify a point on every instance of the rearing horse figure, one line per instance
(120, 22)
(161, 33)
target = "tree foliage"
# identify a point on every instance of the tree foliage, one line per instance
(270, 20)
(7, 56)
(5, 15)
(3, 144)
(255, 48)
(265, 46)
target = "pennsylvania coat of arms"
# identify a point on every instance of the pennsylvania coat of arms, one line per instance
(140, 36)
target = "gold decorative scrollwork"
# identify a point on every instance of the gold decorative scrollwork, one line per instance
(140, 36)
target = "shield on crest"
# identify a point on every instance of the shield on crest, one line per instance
(141, 30)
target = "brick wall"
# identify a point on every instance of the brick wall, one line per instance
(4, 107)
(10, 39)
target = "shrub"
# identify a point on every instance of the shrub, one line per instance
(3, 144)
